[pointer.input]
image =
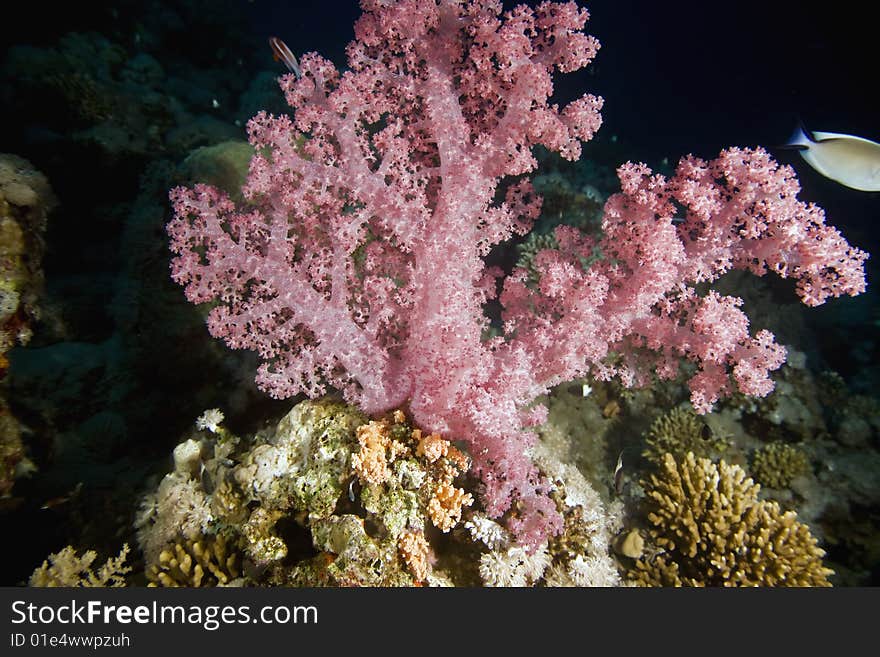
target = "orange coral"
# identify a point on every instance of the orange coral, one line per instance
(414, 551)
(378, 449)
(382, 442)
(445, 507)
(459, 459)
(432, 447)
(370, 463)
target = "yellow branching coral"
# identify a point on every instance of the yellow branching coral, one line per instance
(65, 568)
(710, 529)
(777, 464)
(678, 432)
(205, 562)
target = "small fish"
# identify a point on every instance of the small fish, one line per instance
(706, 432)
(206, 479)
(618, 474)
(282, 53)
(851, 161)
(62, 499)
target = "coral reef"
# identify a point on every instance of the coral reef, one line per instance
(335, 268)
(13, 460)
(708, 528)
(493, 418)
(578, 556)
(325, 468)
(578, 428)
(329, 497)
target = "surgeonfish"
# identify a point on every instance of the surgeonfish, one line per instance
(852, 161)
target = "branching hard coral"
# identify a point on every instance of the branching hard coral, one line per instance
(678, 432)
(777, 464)
(710, 529)
(68, 569)
(205, 562)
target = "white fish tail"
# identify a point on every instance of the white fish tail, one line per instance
(801, 138)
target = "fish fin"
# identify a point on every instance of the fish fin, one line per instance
(801, 139)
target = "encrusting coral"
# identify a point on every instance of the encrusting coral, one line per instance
(708, 528)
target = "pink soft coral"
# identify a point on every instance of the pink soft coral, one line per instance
(358, 261)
